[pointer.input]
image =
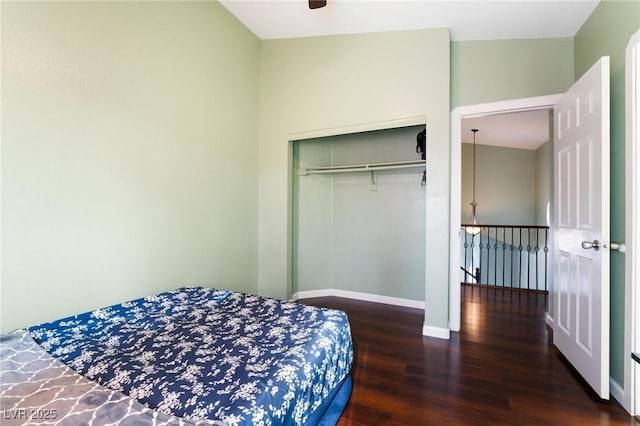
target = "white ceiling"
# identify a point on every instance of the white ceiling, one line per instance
(468, 20)
(523, 130)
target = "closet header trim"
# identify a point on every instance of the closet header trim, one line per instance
(358, 128)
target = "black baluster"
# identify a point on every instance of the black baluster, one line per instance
(520, 259)
(480, 246)
(537, 249)
(495, 259)
(528, 257)
(488, 253)
(473, 245)
(511, 270)
(466, 246)
(546, 251)
(504, 248)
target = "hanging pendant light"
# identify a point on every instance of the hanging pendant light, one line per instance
(473, 228)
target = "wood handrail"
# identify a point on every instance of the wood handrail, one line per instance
(505, 226)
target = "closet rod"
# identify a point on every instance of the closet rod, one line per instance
(363, 167)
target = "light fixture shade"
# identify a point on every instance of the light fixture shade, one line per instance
(472, 230)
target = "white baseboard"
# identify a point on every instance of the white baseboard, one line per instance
(549, 320)
(440, 333)
(617, 392)
(312, 293)
(427, 330)
(388, 300)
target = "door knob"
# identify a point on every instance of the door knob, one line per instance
(595, 244)
(615, 246)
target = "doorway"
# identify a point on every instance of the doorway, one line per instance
(508, 174)
(457, 116)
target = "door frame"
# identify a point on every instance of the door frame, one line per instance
(631, 400)
(455, 190)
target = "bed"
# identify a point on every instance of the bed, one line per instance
(201, 355)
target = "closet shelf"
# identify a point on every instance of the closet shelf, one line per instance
(304, 171)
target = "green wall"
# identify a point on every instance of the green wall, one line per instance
(496, 70)
(606, 33)
(129, 153)
(505, 185)
(335, 81)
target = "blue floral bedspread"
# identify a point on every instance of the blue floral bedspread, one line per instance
(202, 353)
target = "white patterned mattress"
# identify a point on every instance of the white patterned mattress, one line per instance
(37, 389)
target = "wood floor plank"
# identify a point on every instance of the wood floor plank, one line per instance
(501, 369)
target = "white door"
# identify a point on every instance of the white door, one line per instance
(581, 221)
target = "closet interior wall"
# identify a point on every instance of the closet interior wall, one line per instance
(351, 235)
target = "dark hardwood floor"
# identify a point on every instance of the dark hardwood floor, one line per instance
(501, 369)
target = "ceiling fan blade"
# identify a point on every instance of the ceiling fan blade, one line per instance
(316, 4)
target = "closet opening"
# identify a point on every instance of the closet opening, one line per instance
(358, 215)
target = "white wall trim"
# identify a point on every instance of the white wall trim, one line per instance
(440, 333)
(524, 104)
(549, 320)
(358, 128)
(310, 294)
(427, 330)
(376, 298)
(616, 391)
(631, 395)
